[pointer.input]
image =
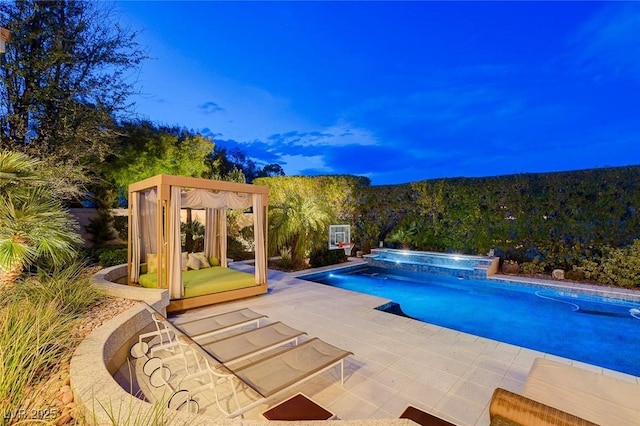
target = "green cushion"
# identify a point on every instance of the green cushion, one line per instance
(148, 280)
(206, 281)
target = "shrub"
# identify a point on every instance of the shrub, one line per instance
(237, 251)
(536, 266)
(286, 259)
(574, 275)
(112, 257)
(617, 266)
(324, 257)
(589, 269)
(70, 289)
(621, 267)
(92, 255)
(121, 225)
(101, 227)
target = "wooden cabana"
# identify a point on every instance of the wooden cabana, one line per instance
(155, 251)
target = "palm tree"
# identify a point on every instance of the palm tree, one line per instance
(33, 223)
(301, 223)
(405, 234)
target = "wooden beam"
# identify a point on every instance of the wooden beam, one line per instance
(179, 305)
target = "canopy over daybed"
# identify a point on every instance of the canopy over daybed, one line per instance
(154, 231)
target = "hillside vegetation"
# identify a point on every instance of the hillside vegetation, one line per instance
(560, 220)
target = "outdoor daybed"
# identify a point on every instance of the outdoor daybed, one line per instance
(205, 281)
(156, 256)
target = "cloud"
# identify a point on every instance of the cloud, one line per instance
(340, 134)
(306, 165)
(608, 45)
(210, 108)
(208, 132)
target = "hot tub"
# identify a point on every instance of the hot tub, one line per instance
(449, 264)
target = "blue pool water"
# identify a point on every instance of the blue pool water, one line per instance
(585, 328)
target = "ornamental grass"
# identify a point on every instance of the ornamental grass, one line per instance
(36, 318)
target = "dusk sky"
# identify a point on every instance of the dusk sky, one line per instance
(398, 91)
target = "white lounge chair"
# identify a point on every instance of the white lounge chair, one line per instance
(269, 376)
(196, 329)
(162, 332)
(238, 347)
(203, 327)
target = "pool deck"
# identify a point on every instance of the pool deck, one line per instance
(397, 361)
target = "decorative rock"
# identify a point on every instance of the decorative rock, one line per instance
(64, 419)
(67, 397)
(558, 274)
(65, 388)
(510, 268)
(72, 409)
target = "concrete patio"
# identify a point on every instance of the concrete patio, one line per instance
(397, 361)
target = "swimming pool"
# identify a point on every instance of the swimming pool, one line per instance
(588, 328)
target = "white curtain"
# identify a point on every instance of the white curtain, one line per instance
(215, 237)
(216, 204)
(144, 207)
(148, 210)
(203, 198)
(258, 230)
(135, 237)
(211, 246)
(174, 255)
(222, 236)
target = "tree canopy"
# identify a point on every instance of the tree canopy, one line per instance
(65, 80)
(144, 150)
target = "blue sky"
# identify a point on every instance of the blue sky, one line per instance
(398, 91)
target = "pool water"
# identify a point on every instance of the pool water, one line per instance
(591, 329)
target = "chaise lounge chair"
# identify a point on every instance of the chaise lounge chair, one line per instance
(196, 329)
(269, 376)
(215, 324)
(241, 346)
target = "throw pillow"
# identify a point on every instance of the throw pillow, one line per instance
(193, 262)
(184, 261)
(204, 263)
(152, 263)
(213, 261)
